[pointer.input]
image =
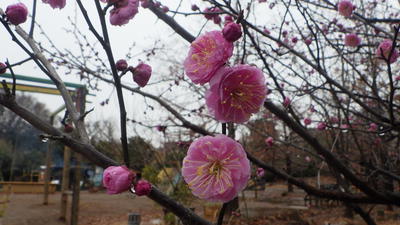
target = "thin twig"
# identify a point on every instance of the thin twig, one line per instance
(13, 77)
(33, 19)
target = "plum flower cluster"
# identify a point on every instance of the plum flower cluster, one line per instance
(216, 168)
(235, 92)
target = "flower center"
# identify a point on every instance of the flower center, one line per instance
(215, 168)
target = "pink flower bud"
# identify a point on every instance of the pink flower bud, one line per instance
(3, 68)
(165, 9)
(266, 31)
(397, 78)
(260, 172)
(308, 159)
(228, 19)
(143, 187)
(308, 41)
(269, 141)
(217, 19)
(161, 128)
(232, 32)
(294, 40)
(195, 7)
(17, 13)
(157, 4)
(286, 102)
(307, 121)
(352, 40)
(142, 74)
(121, 65)
(117, 179)
(345, 8)
(321, 126)
(208, 13)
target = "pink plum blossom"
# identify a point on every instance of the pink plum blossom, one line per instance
(260, 172)
(236, 93)
(216, 168)
(397, 78)
(269, 141)
(17, 13)
(142, 187)
(123, 11)
(232, 31)
(352, 40)
(321, 126)
(142, 74)
(308, 159)
(207, 54)
(308, 41)
(384, 51)
(117, 179)
(55, 3)
(345, 8)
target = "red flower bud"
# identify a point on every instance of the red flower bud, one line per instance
(3, 68)
(121, 65)
(232, 32)
(141, 74)
(143, 187)
(17, 13)
(68, 128)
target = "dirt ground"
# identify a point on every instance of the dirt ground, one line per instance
(272, 206)
(95, 209)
